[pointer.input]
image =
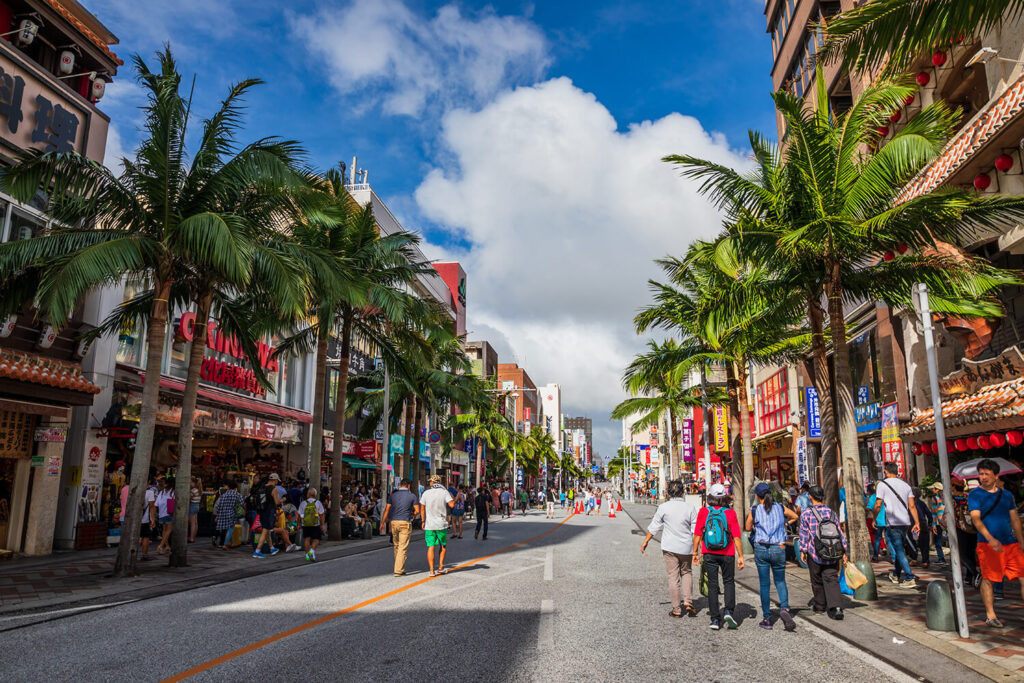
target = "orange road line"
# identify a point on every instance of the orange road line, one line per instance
(234, 654)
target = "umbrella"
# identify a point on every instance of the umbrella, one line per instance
(969, 469)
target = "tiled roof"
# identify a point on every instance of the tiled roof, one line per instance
(967, 141)
(27, 367)
(64, 12)
(993, 402)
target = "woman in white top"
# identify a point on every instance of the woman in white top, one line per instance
(165, 514)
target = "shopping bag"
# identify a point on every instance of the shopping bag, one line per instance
(854, 577)
(703, 580)
(843, 588)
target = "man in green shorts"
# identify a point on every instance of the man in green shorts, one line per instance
(434, 506)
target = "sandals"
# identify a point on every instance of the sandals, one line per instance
(441, 572)
(674, 614)
(690, 611)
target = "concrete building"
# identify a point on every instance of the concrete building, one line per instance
(483, 358)
(514, 379)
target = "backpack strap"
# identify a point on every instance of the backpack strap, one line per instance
(993, 506)
(902, 502)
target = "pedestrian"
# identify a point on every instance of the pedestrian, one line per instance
(434, 506)
(966, 534)
(879, 521)
(264, 501)
(1000, 544)
(458, 512)
(675, 520)
(225, 513)
(482, 511)
(719, 548)
(549, 504)
(571, 497)
(506, 500)
(900, 517)
(767, 521)
(524, 501)
(314, 523)
(821, 541)
(924, 538)
(148, 524)
(165, 514)
(195, 495)
(938, 510)
(803, 499)
(401, 509)
(561, 499)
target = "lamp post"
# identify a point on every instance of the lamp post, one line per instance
(385, 459)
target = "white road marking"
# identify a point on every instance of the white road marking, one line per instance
(36, 615)
(546, 625)
(549, 564)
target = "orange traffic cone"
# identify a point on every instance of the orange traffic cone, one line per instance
(618, 506)
(611, 511)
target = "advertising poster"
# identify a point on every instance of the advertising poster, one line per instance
(721, 428)
(801, 460)
(687, 441)
(813, 414)
(892, 446)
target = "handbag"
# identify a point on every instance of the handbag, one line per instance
(239, 510)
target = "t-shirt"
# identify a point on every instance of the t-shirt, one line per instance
(897, 501)
(675, 520)
(435, 505)
(803, 501)
(150, 498)
(880, 518)
(731, 520)
(402, 503)
(481, 505)
(505, 497)
(162, 499)
(310, 501)
(998, 521)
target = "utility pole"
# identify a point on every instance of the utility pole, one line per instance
(704, 415)
(385, 460)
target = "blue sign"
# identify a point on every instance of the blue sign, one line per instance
(868, 417)
(397, 443)
(595, 469)
(863, 395)
(519, 476)
(813, 414)
(424, 452)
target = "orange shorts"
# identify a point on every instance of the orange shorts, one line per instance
(994, 566)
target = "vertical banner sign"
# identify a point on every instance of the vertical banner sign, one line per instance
(721, 428)
(801, 460)
(813, 414)
(687, 440)
(892, 446)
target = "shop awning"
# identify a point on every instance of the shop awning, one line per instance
(996, 406)
(357, 464)
(227, 398)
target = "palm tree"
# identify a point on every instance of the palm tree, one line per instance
(894, 32)
(162, 219)
(487, 426)
(828, 214)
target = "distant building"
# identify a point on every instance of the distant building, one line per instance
(483, 358)
(512, 377)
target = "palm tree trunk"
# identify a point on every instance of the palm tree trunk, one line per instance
(822, 383)
(747, 445)
(156, 333)
(406, 462)
(183, 474)
(417, 466)
(479, 459)
(856, 522)
(334, 521)
(316, 432)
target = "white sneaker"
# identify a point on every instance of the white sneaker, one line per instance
(291, 548)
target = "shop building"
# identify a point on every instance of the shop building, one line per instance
(55, 61)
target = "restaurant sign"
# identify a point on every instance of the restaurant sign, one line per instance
(220, 372)
(979, 373)
(217, 420)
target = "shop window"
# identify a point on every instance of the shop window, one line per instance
(23, 226)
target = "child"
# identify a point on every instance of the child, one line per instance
(311, 512)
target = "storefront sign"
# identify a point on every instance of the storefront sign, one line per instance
(92, 473)
(813, 413)
(52, 127)
(219, 372)
(801, 460)
(892, 446)
(51, 434)
(687, 440)
(217, 420)
(976, 374)
(397, 443)
(655, 457)
(863, 395)
(16, 432)
(868, 417)
(721, 424)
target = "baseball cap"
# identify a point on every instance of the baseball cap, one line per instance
(936, 486)
(435, 478)
(761, 490)
(717, 490)
(274, 476)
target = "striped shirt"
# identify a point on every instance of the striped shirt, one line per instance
(769, 525)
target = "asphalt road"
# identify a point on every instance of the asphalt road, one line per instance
(575, 601)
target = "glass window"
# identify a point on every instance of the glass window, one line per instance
(23, 226)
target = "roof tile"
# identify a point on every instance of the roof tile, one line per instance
(27, 367)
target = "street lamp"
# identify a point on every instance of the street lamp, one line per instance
(988, 54)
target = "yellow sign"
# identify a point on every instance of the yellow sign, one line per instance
(721, 428)
(76, 477)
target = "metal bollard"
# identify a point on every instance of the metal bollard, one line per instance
(869, 591)
(939, 606)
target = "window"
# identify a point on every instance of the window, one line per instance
(773, 402)
(24, 226)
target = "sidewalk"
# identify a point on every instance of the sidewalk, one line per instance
(892, 626)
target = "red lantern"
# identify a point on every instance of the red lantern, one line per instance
(972, 442)
(998, 439)
(1004, 162)
(895, 116)
(982, 181)
(882, 130)
(949, 446)
(909, 99)
(916, 449)
(926, 448)
(902, 248)
(939, 58)
(888, 256)
(985, 442)
(923, 79)
(1015, 437)
(960, 444)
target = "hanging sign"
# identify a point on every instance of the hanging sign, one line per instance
(813, 414)
(801, 460)
(687, 439)
(721, 428)
(892, 445)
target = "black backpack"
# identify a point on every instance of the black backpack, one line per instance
(828, 539)
(259, 498)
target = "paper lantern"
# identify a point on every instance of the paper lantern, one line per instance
(972, 442)
(984, 442)
(939, 58)
(888, 256)
(896, 116)
(923, 78)
(1004, 162)
(99, 86)
(982, 181)
(960, 444)
(883, 130)
(909, 99)
(916, 449)
(998, 439)
(67, 61)
(1015, 437)
(949, 446)
(926, 448)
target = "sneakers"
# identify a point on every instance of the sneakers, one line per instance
(994, 623)
(766, 624)
(715, 625)
(274, 551)
(258, 554)
(729, 621)
(909, 583)
(787, 620)
(309, 557)
(893, 578)
(291, 548)
(836, 613)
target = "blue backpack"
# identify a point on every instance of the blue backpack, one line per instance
(716, 530)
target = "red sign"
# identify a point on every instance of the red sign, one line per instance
(526, 413)
(892, 451)
(218, 371)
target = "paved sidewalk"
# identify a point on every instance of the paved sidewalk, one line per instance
(894, 628)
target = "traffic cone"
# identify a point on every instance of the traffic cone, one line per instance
(611, 511)
(618, 506)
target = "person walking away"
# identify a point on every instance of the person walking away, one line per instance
(823, 550)
(225, 513)
(401, 509)
(720, 547)
(966, 534)
(314, 523)
(483, 512)
(938, 509)
(165, 515)
(549, 504)
(879, 522)
(571, 497)
(458, 512)
(900, 517)
(506, 503)
(675, 520)
(924, 538)
(767, 522)
(524, 501)
(148, 524)
(264, 500)
(561, 499)
(195, 495)
(1000, 538)
(434, 506)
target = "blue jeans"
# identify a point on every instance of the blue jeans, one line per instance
(937, 542)
(894, 537)
(771, 563)
(879, 531)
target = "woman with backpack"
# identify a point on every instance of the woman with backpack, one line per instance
(165, 514)
(767, 521)
(823, 549)
(719, 545)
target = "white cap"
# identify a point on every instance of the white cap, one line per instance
(274, 476)
(717, 490)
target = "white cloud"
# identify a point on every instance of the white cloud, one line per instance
(393, 56)
(564, 214)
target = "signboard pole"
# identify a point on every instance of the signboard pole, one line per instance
(385, 460)
(940, 435)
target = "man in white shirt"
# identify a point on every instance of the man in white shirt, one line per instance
(900, 517)
(676, 519)
(434, 506)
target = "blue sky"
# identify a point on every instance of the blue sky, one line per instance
(521, 138)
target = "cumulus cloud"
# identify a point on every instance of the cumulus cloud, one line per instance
(564, 212)
(394, 57)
